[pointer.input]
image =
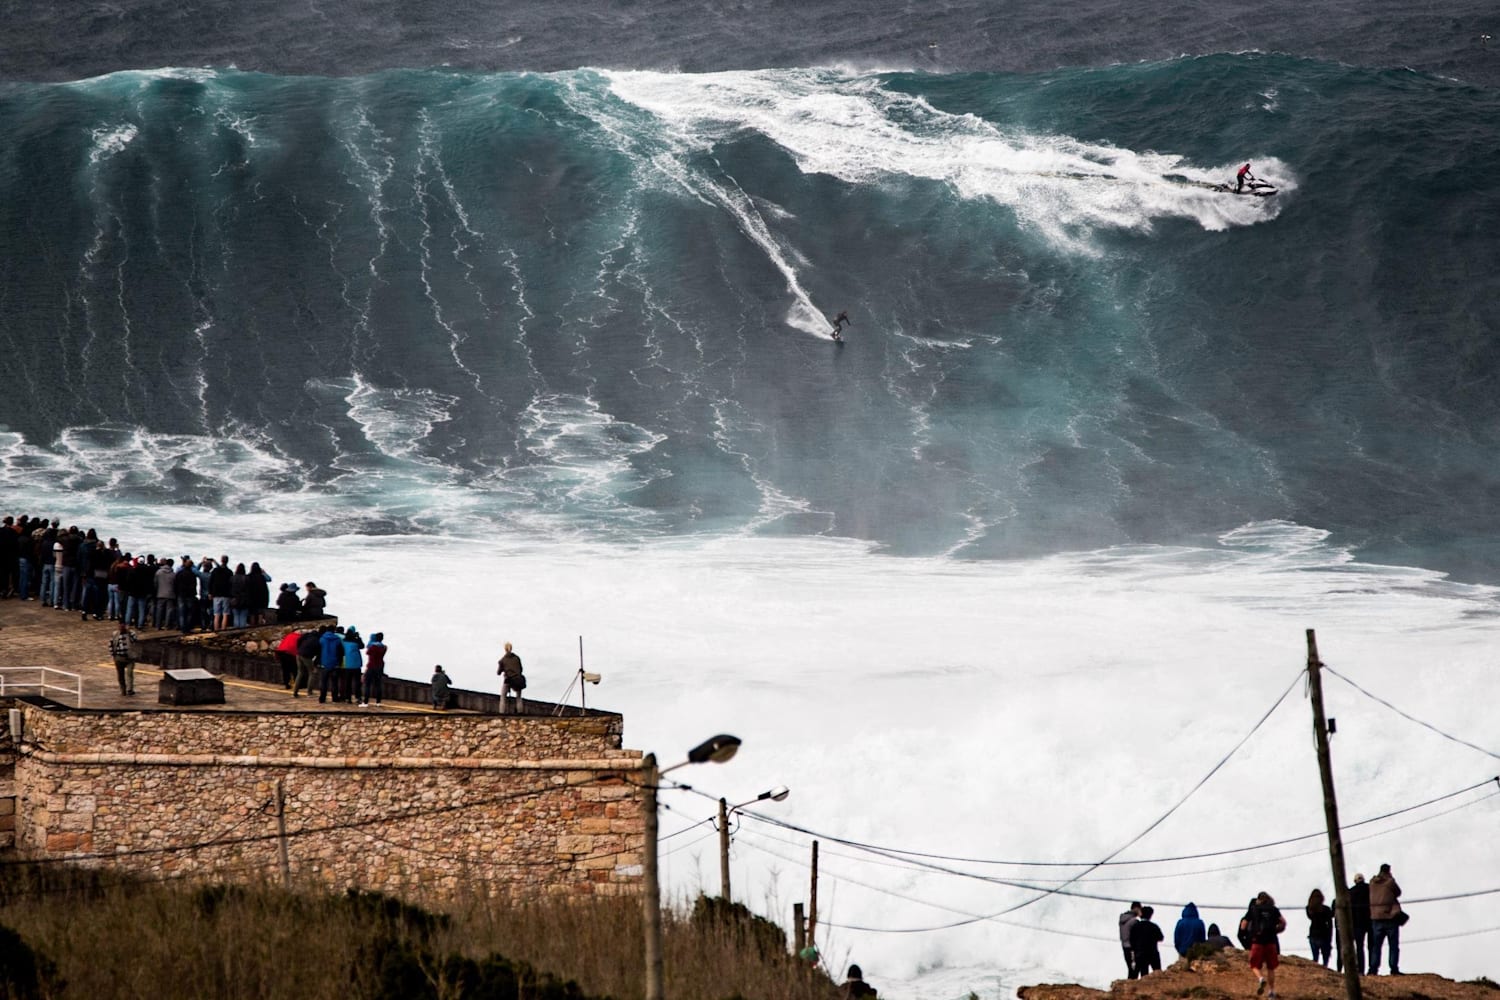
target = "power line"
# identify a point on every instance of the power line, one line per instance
(1458, 934)
(1144, 861)
(903, 864)
(913, 899)
(1409, 716)
(1042, 892)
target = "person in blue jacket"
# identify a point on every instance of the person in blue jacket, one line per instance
(1189, 930)
(330, 658)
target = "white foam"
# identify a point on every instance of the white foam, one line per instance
(396, 421)
(109, 140)
(850, 127)
(1045, 708)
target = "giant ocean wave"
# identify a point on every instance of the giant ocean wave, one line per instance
(593, 302)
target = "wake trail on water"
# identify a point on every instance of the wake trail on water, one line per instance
(863, 132)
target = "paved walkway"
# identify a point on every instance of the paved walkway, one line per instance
(32, 635)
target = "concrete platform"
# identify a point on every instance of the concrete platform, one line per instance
(32, 635)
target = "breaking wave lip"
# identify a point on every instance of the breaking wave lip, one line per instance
(855, 129)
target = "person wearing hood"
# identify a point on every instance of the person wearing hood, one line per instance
(855, 986)
(1216, 939)
(1385, 920)
(1189, 930)
(1127, 921)
(330, 658)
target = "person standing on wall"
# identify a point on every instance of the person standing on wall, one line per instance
(514, 681)
(1385, 920)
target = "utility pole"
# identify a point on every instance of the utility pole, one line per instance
(286, 864)
(1342, 909)
(799, 929)
(651, 890)
(812, 903)
(724, 849)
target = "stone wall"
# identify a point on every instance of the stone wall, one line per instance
(434, 805)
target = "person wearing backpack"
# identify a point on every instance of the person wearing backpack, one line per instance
(1261, 924)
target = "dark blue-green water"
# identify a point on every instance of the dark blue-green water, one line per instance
(597, 294)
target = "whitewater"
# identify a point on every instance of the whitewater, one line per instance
(533, 357)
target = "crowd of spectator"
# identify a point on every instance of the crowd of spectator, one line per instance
(73, 570)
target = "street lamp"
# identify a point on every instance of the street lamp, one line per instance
(777, 794)
(715, 750)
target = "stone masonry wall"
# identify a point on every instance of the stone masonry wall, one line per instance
(442, 805)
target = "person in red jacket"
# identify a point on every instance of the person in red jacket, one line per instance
(286, 655)
(1240, 178)
(374, 670)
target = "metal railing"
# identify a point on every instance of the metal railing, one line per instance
(43, 683)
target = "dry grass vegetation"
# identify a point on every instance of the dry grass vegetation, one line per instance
(75, 935)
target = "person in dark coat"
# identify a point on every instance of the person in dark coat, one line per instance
(1216, 939)
(1127, 921)
(855, 986)
(514, 682)
(1189, 930)
(1144, 937)
(185, 589)
(239, 597)
(1319, 927)
(288, 605)
(309, 649)
(1359, 913)
(315, 602)
(440, 685)
(258, 594)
